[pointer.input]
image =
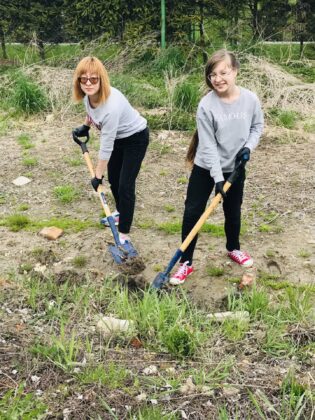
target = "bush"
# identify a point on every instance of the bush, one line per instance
(27, 96)
(180, 341)
(282, 118)
(172, 57)
(186, 96)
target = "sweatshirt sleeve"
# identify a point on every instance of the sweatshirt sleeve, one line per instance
(208, 146)
(108, 134)
(256, 128)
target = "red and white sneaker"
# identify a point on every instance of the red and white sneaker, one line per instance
(123, 238)
(241, 258)
(181, 274)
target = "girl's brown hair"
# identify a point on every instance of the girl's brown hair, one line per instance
(216, 58)
(91, 65)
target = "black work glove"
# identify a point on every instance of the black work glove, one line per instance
(219, 188)
(243, 155)
(96, 182)
(82, 131)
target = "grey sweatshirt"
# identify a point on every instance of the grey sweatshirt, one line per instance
(224, 129)
(116, 119)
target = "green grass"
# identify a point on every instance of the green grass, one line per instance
(23, 207)
(17, 404)
(186, 96)
(169, 208)
(176, 227)
(25, 141)
(66, 193)
(79, 261)
(111, 375)
(214, 271)
(17, 222)
(30, 161)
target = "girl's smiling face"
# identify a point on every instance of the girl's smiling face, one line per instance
(222, 77)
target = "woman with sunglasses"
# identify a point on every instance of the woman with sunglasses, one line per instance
(229, 125)
(124, 137)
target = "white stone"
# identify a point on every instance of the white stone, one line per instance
(108, 325)
(223, 316)
(150, 370)
(21, 180)
(141, 397)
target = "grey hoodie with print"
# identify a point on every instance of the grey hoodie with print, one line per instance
(225, 128)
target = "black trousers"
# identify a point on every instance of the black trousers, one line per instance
(199, 189)
(123, 168)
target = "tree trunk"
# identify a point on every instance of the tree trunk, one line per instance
(41, 49)
(202, 35)
(301, 45)
(254, 11)
(3, 46)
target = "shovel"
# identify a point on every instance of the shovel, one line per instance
(120, 252)
(163, 278)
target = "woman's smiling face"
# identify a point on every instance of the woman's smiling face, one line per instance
(90, 83)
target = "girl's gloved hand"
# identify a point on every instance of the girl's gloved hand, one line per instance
(96, 182)
(243, 155)
(219, 189)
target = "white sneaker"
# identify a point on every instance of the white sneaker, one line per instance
(115, 215)
(123, 238)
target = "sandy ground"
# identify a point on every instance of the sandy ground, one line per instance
(279, 193)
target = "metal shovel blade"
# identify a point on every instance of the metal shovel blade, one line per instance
(122, 252)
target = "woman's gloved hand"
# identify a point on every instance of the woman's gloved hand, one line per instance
(82, 131)
(96, 182)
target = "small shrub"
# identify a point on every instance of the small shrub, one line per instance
(180, 341)
(27, 96)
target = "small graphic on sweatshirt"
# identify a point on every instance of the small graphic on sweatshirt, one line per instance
(229, 116)
(91, 122)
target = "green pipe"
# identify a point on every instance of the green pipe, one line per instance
(163, 43)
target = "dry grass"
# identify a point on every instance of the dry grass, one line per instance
(277, 88)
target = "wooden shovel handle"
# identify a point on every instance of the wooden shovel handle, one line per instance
(100, 189)
(214, 203)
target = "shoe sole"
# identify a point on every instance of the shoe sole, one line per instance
(180, 282)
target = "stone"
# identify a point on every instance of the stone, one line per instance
(223, 316)
(21, 180)
(108, 325)
(52, 233)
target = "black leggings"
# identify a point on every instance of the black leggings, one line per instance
(198, 192)
(123, 168)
